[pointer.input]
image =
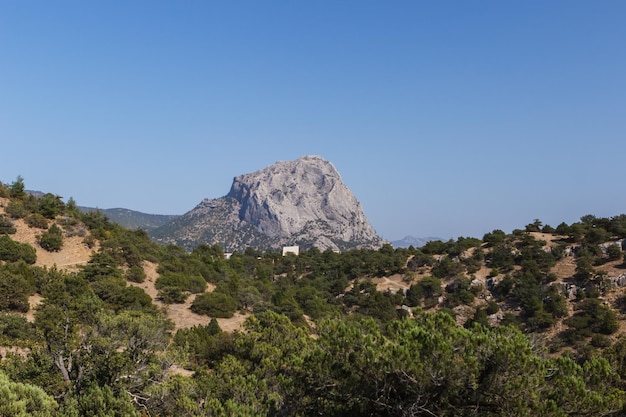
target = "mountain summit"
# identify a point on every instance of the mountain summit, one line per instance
(302, 202)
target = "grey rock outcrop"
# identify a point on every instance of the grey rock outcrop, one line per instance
(303, 202)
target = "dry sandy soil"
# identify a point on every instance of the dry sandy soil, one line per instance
(75, 253)
(181, 314)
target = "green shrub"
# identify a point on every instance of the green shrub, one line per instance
(494, 238)
(459, 292)
(420, 260)
(205, 344)
(16, 210)
(118, 296)
(6, 226)
(196, 284)
(480, 317)
(591, 317)
(17, 188)
(172, 295)
(136, 299)
(555, 303)
(11, 251)
(447, 268)
(510, 319)
(600, 341)
(101, 265)
(4, 191)
(192, 283)
(99, 401)
(50, 205)
(501, 258)
(15, 327)
(14, 292)
(136, 274)
(504, 287)
(214, 304)
(37, 221)
(492, 307)
(52, 240)
(614, 252)
(24, 399)
(414, 295)
(431, 290)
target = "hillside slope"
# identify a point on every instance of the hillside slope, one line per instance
(76, 252)
(132, 219)
(607, 282)
(534, 319)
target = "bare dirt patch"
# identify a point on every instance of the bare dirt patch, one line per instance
(482, 274)
(394, 283)
(181, 314)
(4, 350)
(33, 301)
(565, 268)
(73, 253)
(551, 240)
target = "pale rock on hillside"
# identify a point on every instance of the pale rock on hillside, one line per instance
(303, 202)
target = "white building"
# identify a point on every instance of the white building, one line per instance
(291, 249)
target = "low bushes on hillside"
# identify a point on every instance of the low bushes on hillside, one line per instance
(11, 251)
(51, 240)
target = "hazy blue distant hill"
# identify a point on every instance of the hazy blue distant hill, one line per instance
(131, 219)
(416, 242)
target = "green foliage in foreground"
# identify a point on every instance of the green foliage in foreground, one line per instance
(86, 357)
(423, 367)
(24, 400)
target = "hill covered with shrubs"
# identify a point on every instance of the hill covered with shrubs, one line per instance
(512, 324)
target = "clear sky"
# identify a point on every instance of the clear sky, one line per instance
(445, 118)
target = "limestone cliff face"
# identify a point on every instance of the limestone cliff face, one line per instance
(301, 202)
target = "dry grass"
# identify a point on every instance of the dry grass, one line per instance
(75, 253)
(181, 314)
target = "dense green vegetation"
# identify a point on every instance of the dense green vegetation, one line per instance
(321, 339)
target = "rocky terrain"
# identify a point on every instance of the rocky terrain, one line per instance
(75, 253)
(302, 202)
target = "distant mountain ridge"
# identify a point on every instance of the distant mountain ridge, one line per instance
(132, 219)
(303, 202)
(416, 242)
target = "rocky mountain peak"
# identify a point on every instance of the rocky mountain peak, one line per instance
(290, 202)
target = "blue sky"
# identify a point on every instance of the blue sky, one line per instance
(445, 118)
